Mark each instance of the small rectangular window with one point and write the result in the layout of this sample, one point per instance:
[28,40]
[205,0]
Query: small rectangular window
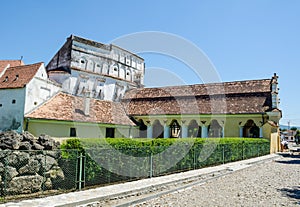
[72,132]
[13,101]
[110,133]
[0,105]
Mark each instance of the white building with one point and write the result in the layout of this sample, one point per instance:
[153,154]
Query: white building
[102,71]
[22,89]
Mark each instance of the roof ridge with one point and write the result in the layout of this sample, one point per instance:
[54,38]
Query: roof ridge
[38,63]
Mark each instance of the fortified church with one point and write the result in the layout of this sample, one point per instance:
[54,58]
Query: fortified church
[90,89]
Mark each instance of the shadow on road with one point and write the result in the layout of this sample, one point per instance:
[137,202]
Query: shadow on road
[293,192]
[292,161]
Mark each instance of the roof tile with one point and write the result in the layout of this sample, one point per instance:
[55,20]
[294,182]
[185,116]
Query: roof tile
[66,107]
[18,76]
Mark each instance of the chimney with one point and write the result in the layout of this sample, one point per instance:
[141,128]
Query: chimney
[86,103]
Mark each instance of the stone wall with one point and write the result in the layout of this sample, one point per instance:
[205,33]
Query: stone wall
[29,164]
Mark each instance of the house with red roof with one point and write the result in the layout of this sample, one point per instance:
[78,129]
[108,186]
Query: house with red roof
[90,89]
[22,89]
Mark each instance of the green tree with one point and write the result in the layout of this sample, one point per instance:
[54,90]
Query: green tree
[294,128]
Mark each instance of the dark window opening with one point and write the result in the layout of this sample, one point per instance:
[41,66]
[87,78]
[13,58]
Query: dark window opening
[82,61]
[175,129]
[72,132]
[35,103]
[115,69]
[0,105]
[13,101]
[110,133]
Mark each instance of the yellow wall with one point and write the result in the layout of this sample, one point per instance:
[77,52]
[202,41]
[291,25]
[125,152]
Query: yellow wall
[83,130]
[231,122]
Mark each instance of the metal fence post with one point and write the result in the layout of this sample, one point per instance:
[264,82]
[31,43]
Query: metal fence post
[151,166]
[80,171]
[44,173]
[223,153]
[194,158]
[243,156]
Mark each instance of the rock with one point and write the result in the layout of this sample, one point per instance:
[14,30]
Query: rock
[15,144]
[48,184]
[55,173]
[11,172]
[48,142]
[11,159]
[53,153]
[4,146]
[26,141]
[27,136]
[24,184]
[25,146]
[37,146]
[31,168]
[1,167]
[16,159]
[46,162]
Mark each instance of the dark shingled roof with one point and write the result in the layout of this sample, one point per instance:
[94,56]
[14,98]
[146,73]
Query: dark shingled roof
[66,107]
[19,76]
[253,96]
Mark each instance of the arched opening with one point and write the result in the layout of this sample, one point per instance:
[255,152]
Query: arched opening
[142,129]
[158,130]
[194,130]
[214,129]
[250,129]
[175,129]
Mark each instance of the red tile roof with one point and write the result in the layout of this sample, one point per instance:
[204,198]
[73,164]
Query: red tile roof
[250,86]
[18,76]
[11,63]
[66,107]
[230,97]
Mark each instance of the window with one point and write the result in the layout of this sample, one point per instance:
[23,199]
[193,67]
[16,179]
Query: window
[72,132]
[35,103]
[0,105]
[13,101]
[110,133]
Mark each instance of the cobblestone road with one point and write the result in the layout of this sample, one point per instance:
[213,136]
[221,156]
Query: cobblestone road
[275,183]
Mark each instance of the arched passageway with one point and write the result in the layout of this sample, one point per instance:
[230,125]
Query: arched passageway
[214,129]
[194,130]
[142,129]
[250,129]
[158,130]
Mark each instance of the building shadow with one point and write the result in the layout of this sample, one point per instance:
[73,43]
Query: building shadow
[293,161]
[293,192]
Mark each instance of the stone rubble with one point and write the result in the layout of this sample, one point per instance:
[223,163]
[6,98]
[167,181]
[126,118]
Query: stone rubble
[28,164]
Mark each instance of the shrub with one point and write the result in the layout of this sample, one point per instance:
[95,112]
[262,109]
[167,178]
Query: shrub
[118,159]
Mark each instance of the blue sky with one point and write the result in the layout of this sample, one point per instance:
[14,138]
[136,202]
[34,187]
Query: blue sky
[243,39]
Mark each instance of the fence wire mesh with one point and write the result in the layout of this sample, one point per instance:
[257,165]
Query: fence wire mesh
[40,172]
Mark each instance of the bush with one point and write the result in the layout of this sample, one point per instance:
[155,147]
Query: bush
[118,159]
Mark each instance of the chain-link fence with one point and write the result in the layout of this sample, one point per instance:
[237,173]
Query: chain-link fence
[111,165]
[36,172]
[42,172]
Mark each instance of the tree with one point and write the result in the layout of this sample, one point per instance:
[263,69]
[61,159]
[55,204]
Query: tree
[294,128]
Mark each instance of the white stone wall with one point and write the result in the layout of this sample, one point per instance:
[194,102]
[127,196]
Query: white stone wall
[12,109]
[39,90]
[98,86]
[111,60]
